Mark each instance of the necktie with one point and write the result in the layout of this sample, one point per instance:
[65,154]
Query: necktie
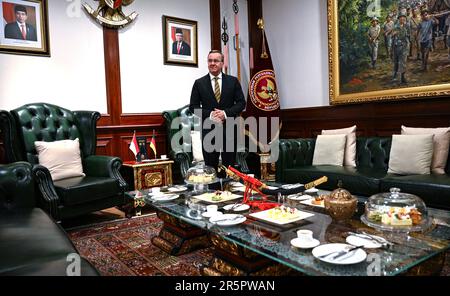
[179,47]
[24,32]
[217,89]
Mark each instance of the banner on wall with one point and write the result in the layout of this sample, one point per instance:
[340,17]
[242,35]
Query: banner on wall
[263,101]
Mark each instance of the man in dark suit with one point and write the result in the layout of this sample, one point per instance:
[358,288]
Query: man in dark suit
[180,46]
[20,29]
[219,97]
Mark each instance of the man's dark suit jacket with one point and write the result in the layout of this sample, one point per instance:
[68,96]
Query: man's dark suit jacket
[232,102]
[232,98]
[12,31]
[184,50]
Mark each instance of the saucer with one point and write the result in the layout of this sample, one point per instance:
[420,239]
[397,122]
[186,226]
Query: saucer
[209,215]
[296,242]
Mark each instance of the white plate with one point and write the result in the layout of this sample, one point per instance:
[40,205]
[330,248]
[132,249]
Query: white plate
[296,242]
[312,190]
[299,197]
[361,241]
[237,208]
[164,197]
[265,216]
[177,189]
[209,215]
[309,203]
[354,257]
[220,220]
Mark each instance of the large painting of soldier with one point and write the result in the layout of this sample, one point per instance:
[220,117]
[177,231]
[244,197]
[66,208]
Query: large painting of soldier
[388,49]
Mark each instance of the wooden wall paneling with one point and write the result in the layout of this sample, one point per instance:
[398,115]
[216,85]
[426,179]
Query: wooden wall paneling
[112,74]
[104,146]
[215,24]
[372,119]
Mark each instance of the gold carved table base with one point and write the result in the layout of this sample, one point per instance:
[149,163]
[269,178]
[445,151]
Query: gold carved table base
[231,259]
[177,238]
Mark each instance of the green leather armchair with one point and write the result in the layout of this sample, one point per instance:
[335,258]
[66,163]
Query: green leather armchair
[31,242]
[181,151]
[101,188]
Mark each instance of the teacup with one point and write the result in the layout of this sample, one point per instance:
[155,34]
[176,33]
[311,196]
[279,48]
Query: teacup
[156,190]
[163,156]
[305,235]
[211,209]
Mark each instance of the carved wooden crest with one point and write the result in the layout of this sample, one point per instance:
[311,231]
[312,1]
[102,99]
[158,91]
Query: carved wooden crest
[109,13]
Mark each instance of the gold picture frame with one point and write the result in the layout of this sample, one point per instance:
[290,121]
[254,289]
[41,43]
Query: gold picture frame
[30,39]
[345,44]
[184,50]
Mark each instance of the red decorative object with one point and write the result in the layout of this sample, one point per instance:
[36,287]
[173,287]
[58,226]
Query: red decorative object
[251,184]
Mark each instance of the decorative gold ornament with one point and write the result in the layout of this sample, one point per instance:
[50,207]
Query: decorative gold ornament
[109,13]
[340,204]
[260,24]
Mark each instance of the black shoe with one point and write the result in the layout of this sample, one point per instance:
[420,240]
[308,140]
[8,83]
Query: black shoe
[403,79]
[394,77]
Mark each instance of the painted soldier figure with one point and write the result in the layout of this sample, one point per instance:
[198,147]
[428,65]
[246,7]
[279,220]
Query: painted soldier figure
[400,47]
[387,28]
[373,35]
[426,37]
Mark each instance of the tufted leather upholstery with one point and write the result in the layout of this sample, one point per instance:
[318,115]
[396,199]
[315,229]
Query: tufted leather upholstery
[31,243]
[183,120]
[103,186]
[368,177]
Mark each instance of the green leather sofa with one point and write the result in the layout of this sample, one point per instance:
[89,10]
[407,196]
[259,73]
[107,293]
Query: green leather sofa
[367,178]
[31,242]
[181,151]
[102,187]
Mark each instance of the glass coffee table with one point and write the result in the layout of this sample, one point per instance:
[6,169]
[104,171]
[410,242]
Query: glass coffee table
[261,247]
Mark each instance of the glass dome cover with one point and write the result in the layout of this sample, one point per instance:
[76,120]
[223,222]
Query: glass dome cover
[201,174]
[396,211]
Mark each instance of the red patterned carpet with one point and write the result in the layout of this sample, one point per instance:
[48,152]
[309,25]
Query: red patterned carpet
[123,248]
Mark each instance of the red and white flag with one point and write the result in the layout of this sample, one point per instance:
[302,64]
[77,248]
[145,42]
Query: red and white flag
[134,147]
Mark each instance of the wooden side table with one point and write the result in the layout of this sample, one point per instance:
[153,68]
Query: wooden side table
[149,174]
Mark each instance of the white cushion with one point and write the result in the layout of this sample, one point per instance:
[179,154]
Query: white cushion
[350,146]
[196,140]
[61,158]
[411,154]
[441,144]
[329,150]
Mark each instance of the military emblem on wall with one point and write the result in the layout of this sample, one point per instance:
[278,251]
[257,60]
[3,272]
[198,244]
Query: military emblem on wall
[109,13]
[263,91]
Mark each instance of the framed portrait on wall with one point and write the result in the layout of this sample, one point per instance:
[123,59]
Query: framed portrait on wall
[180,41]
[376,52]
[24,27]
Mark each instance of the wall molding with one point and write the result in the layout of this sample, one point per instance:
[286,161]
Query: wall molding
[372,119]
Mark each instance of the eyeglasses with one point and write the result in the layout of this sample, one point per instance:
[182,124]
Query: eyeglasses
[210,61]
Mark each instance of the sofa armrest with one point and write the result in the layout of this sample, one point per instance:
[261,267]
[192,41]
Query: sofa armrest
[183,160]
[104,166]
[48,200]
[16,186]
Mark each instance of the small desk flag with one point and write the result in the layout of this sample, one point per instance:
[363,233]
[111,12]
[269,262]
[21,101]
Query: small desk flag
[134,147]
[153,143]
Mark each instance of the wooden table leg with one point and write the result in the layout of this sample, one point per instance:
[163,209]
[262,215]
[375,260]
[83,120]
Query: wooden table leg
[177,237]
